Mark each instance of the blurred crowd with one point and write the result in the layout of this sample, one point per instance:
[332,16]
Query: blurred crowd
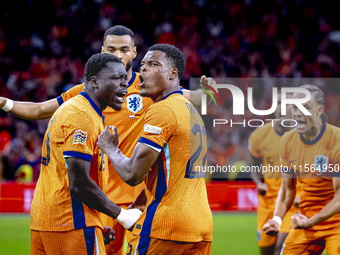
[45,44]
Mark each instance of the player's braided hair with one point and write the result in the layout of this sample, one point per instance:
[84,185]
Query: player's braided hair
[120,31]
[173,54]
[319,97]
[97,63]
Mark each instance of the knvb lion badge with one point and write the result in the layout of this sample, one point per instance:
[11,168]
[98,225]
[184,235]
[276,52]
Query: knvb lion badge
[134,104]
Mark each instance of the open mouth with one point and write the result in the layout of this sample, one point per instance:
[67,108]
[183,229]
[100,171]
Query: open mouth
[301,124]
[141,80]
[120,97]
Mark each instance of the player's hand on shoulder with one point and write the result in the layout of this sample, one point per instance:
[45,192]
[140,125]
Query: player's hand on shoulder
[262,188]
[108,139]
[3,101]
[271,228]
[301,221]
[109,234]
[208,81]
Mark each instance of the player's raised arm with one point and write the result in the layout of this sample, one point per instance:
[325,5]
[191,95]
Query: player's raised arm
[330,209]
[29,110]
[195,96]
[132,170]
[86,191]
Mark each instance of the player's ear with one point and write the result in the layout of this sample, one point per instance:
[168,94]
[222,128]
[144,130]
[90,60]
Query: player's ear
[102,49]
[173,73]
[134,52]
[321,109]
[94,82]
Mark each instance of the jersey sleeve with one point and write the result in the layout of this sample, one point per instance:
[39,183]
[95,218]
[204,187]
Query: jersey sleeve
[80,136]
[159,124]
[254,144]
[70,93]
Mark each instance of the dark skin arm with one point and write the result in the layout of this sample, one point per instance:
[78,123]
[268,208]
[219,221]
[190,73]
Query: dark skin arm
[36,111]
[32,111]
[284,201]
[262,188]
[86,190]
[330,209]
[132,170]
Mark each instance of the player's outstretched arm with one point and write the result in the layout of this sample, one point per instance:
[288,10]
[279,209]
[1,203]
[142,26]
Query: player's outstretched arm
[195,96]
[284,201]
[132,170]
[330,209]
[87,191]
[30,110]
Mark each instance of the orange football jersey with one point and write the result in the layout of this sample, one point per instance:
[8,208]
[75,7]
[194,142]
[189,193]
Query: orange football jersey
[129,123]
[72,132]
[177,207]
[314,162]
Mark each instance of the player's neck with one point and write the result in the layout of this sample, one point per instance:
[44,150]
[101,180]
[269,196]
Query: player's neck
[94,99]
[129,74]
[165,93]
[313,133]
[279,128]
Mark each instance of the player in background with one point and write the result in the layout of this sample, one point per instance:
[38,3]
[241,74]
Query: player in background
[177,218]
[119,41]
[68,197]
[264,149]
[311,152]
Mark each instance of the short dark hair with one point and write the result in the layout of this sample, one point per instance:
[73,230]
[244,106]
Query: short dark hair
[120,31]
[98,62]
[172,53]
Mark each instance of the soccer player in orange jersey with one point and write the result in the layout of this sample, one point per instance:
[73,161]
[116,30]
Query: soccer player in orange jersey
[310,152]
[68,197]
[119,41]
[177,218]
[264,149]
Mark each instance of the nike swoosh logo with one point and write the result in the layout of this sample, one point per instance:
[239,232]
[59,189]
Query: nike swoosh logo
[291,161]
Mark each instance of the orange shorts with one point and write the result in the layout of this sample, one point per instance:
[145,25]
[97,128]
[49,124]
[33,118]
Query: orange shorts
[116,247]
[306,241]
[263,215]
[152,246]
[80,241]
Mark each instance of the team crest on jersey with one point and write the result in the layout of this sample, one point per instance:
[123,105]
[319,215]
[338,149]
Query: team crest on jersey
[79,137]
[321,163]
[134,103]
